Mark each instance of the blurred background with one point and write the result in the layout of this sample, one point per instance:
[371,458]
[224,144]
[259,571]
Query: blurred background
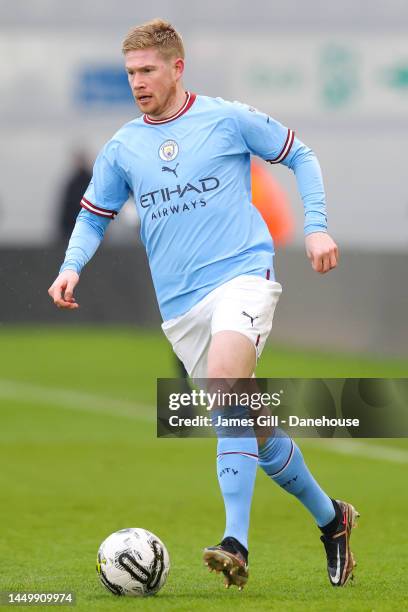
[337,73]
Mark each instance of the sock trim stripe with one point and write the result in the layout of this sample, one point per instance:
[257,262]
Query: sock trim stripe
[238,453]
[292,450]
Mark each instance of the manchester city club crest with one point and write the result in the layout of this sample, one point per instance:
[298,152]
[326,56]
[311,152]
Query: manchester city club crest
[168,150]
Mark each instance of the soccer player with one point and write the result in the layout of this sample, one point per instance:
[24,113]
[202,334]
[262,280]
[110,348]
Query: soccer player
[187,162]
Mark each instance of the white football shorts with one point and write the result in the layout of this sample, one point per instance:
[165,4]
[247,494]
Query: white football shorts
[245,304]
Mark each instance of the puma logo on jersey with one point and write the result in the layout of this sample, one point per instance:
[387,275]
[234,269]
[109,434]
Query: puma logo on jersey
[249,316]
[173,170]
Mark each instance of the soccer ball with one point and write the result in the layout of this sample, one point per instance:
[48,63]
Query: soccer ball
[133,562]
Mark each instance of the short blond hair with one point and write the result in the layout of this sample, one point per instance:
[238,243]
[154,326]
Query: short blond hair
[157,34]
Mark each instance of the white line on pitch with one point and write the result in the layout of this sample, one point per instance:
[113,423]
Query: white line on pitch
[75,400]
[101,404]
[360,448]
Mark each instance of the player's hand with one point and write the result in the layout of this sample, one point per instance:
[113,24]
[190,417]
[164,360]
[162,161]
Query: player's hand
[322,252]
[62,290]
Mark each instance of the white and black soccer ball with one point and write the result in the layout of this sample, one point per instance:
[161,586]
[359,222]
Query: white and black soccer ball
[133,562]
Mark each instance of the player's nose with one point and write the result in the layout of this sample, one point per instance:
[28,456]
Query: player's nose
[136,84]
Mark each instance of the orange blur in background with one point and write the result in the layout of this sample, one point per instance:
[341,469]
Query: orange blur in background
[273,204]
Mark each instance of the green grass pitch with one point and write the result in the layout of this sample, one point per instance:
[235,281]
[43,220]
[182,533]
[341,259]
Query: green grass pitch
[79,460]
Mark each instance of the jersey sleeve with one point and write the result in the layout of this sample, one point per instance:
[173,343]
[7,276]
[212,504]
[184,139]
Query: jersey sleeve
[86,237]
[262,135]
[305,165]
[103,199]
[275,143]
[108,189]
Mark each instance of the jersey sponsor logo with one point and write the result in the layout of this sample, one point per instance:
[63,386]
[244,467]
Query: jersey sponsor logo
[173,170]
[165,194]
[168,150]
[175,209]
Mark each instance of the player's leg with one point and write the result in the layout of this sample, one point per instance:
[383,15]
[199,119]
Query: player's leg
[190,336]
[243,313]
[282,460]
[232,356]
[279,456]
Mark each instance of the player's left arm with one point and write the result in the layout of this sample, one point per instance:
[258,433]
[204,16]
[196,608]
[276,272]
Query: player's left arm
[321,249]
[267,138]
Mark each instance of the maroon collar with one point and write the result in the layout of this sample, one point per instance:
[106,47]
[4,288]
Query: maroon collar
[189,101]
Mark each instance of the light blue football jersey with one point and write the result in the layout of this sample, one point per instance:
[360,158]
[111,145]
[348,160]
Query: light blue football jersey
[190,178]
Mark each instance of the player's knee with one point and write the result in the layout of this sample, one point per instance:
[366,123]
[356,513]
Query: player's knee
[220,370]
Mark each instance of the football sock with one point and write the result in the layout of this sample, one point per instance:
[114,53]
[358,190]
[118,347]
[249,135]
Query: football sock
[331,527]
[237,460]
[281,460]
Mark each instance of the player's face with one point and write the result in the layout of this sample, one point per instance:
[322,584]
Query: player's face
[153,79]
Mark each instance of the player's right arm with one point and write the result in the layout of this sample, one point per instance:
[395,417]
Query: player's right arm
[106,194]
[62,290]
[85,239]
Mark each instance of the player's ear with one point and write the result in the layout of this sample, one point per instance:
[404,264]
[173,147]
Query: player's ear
[179,67]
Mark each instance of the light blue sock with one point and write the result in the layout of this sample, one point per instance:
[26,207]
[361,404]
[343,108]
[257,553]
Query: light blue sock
[282,461]
[237,460]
